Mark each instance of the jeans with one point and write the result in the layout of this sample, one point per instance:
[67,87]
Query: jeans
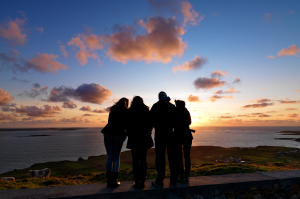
[186,145]
[113,145]
[139,164]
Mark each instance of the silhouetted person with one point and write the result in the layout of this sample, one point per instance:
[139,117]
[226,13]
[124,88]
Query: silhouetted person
[139,139]
[184,139]
[162,114]
[114,136]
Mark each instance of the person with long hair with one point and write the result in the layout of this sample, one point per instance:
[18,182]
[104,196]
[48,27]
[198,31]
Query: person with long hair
[114,136]
[139,139]
[184,139]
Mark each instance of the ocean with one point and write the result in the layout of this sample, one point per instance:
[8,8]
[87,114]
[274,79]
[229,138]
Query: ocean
[21,149]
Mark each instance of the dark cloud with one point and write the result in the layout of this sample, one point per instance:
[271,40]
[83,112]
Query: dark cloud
[105,110]
[34,111]
[237,80]
[172,6]
[289,102]
[293,115]
[261,105]
[20,80]
[85,108]
[36,91]
[8,108]
[93,93]
[208,83]
[70,105]
[88,115]
[226,117]
[264,115]
[215,97]
[262,100]
[194,64]
[5,97]
[44,63]
[193,98]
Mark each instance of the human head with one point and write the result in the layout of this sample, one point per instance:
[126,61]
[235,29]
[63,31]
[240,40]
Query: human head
[122,102]
[162,94]
[180,103]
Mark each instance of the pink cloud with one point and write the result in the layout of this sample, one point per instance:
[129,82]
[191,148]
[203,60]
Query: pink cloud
[289,102]
[104,110]
[8,107]
[262,100]
[5,97]
[219,73]
[36,91]
[262,88]
[298,90]
[62,49]
[270,57]
[237,80]
[268,17]
[14,31]
[193,98]
[215,97]
[92,93]
[70,105]
[34,111]
[85,108]
[46,63]
[41,29]
[82,41]
[194,64]
[4,116]
[208,83]
[88,115]
[226,117]
[231,90]
[161,42]
[261,105]
[291,50]
[293,115]
[189,14]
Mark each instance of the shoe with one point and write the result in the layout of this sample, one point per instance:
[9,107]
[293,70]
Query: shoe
[136,185]
[142,185]
[158,184]
[114,182]
[181,177]
[108,179]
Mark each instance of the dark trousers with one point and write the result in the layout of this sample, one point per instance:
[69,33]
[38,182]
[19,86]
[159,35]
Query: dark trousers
[163,144]
[139,164]
[185,145]
[113,145]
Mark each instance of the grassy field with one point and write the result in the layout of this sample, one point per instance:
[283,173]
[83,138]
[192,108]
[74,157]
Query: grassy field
[206,160]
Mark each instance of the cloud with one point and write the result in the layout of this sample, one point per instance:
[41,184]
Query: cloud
[261,105]
[44,63]
[41,29]
[193,98]
[34,111]
[293,115]
[85,108]
[172,6]
[208,83]
[226,117]
[298,90]
[268,17]
[270,57]
[161,42]
[264,115]
[8,107]
[231,90]
[62,49]
[4,116]
[74,120]
[70,105]
[215,97]
[262,88]
[237,80]
[271,111]
[5,97]
[194,64]
[189,14]
[13,31]
[20,80]
[87,44]
[88,115]
[219,73]
[289,102]
[262,100]
[291,50]
[104,110]
[93,93]
[36,91]
[291,109]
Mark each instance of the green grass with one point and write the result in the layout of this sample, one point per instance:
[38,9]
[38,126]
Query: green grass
[92,170]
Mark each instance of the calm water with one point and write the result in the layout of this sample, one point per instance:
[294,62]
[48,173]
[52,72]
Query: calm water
[18,151]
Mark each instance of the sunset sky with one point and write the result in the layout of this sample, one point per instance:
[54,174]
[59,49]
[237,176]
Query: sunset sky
[64,63]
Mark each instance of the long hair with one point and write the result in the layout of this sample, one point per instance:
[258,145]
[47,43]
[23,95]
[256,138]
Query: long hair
[138,103]
[122,103]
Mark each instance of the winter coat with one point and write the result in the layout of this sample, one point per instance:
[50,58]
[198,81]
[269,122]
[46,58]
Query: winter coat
[162,117]
[139,128]
[182,123]
[116,122]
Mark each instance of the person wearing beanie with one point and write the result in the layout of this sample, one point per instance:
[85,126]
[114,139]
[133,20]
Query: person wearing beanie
[163,117]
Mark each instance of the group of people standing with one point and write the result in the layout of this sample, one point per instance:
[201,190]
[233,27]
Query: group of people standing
[172,133]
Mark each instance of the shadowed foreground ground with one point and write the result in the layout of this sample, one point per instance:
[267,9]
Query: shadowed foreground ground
[206,160]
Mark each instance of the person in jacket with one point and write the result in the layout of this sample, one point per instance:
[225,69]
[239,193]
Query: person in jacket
[162,116]
[184,139]
[114,136]
[139,139]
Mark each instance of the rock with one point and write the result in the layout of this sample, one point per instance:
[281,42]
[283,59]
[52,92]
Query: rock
[80,159]
[8,179]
